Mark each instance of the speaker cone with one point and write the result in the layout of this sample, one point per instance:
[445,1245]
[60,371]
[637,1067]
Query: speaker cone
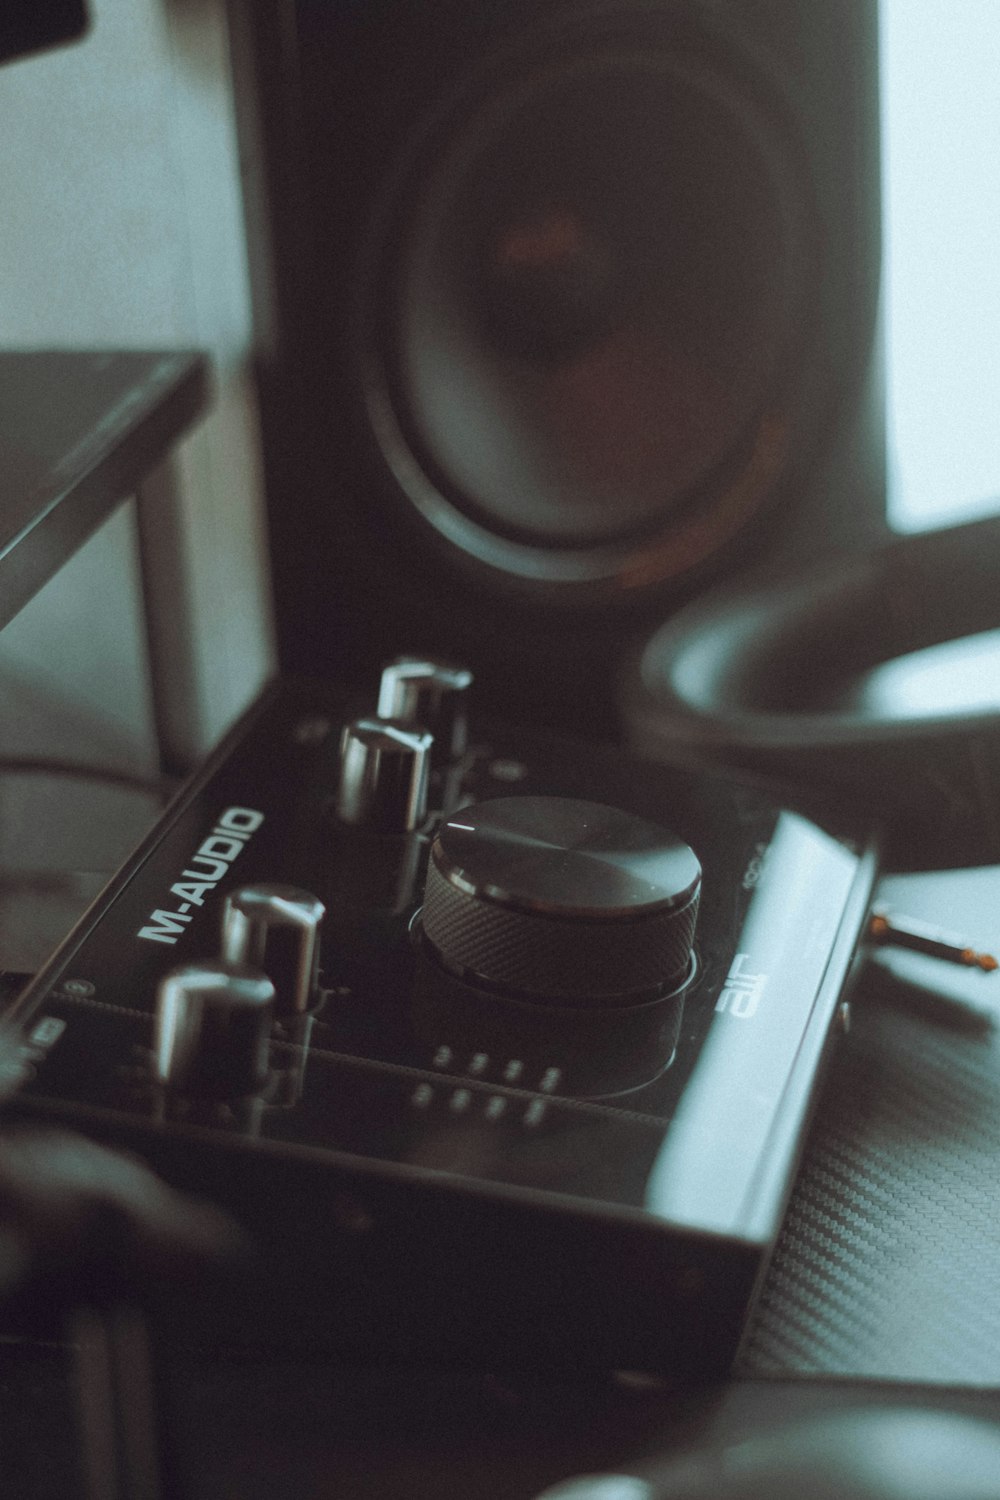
[589,305]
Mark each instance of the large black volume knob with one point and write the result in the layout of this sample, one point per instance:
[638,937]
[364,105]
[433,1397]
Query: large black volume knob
[562,901]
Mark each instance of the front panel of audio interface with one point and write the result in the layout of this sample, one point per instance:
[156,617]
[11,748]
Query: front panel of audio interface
[499,1047]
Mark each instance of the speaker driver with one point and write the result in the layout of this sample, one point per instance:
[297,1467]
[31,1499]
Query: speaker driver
[588,309]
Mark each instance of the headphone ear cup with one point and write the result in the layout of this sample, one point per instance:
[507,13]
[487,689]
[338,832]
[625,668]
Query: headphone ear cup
[836,686]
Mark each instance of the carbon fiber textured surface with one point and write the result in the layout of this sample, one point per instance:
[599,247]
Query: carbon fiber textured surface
[889,1262]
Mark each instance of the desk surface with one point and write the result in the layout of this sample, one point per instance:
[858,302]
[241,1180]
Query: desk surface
[78,432]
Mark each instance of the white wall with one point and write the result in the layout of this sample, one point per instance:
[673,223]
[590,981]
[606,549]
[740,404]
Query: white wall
[121,227]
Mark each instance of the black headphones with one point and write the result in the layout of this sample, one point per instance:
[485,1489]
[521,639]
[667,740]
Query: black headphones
[800,681]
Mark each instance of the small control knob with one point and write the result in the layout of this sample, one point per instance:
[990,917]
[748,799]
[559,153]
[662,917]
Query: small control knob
[275,928]
[384,770]
[562,901]
[212,1030]
[432,694]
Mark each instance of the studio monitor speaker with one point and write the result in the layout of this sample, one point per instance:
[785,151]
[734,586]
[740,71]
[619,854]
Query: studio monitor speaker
[565,310]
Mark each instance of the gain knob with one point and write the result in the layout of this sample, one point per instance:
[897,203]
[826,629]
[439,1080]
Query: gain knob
[275,928]
[565,901]
[432,694]
[212,1030]
[384,769]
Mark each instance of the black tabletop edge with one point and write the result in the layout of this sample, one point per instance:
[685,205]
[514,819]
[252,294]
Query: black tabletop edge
[79,431]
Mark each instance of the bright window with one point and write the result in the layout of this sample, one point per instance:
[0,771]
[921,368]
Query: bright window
[941,126]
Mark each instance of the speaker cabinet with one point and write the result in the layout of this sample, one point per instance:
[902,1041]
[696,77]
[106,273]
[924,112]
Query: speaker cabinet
[565,311]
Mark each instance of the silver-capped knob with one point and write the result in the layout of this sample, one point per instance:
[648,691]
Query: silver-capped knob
[384,770]
[212,1030]
[562,901]
[275,928]
[432,694]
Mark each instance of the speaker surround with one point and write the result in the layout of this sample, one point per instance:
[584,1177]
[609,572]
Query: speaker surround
[566,309]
